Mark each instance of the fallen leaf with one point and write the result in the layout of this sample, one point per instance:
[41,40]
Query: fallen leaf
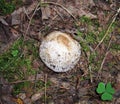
[45,12]
[3,21]
[82,12]
[37,96]
[16,15]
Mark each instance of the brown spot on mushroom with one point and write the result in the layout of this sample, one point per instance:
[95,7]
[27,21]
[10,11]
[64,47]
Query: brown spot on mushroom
[64,40]
[47,54]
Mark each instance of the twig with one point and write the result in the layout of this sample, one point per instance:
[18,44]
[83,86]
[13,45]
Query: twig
[91,77]
[53,3]
[59,14]
[107,51]
[21,81]
[101,66]
[26,13]
[45,87]
[31,20]
[35,81]
[28,27]
[106,33]
[21,32]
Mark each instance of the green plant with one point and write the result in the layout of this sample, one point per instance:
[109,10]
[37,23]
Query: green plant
[6,7]
[19,87]
[105,90]
[14,53]
[85,19]
[16,64]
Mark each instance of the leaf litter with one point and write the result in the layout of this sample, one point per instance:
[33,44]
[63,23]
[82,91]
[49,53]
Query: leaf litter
[73,87]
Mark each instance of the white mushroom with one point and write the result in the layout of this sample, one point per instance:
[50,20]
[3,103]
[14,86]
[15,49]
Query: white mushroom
[59,51]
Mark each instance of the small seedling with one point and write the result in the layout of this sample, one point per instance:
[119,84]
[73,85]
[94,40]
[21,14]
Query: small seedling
[14,53]
[105,90]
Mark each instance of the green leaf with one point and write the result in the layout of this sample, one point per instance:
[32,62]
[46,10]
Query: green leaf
[106,96]
[109,88]
[15,53]
[101,88]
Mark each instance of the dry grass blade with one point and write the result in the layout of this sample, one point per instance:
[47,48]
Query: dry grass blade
[31,20]
[106,33]
[45,87]
[91,76]
[103,61]
[105,56]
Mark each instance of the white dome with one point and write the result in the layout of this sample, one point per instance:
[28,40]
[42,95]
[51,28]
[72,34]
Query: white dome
[59,51]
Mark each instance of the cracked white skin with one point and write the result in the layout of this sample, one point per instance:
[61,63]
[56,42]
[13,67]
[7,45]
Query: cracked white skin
[59,51]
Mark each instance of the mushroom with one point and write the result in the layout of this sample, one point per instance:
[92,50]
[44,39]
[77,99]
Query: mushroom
[59,51]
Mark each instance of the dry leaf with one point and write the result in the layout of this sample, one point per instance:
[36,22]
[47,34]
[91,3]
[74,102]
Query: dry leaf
[37,96]
[45,12]
[16,16]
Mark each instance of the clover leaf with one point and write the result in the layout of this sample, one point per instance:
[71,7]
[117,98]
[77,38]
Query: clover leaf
[109,88]
[101,88]
[106,96]
[105,90]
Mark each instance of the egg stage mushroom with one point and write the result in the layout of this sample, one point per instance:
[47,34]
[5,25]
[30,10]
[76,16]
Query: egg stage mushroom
[59,51]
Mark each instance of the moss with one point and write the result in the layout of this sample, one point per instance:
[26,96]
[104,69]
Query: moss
[16,66]
[6,7]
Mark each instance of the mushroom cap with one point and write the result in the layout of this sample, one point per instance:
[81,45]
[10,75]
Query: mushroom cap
[59,51]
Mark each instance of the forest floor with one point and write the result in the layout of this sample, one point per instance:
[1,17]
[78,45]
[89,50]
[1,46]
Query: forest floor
[24,79]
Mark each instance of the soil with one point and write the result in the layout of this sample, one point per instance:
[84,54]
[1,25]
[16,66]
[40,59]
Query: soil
[77,86]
